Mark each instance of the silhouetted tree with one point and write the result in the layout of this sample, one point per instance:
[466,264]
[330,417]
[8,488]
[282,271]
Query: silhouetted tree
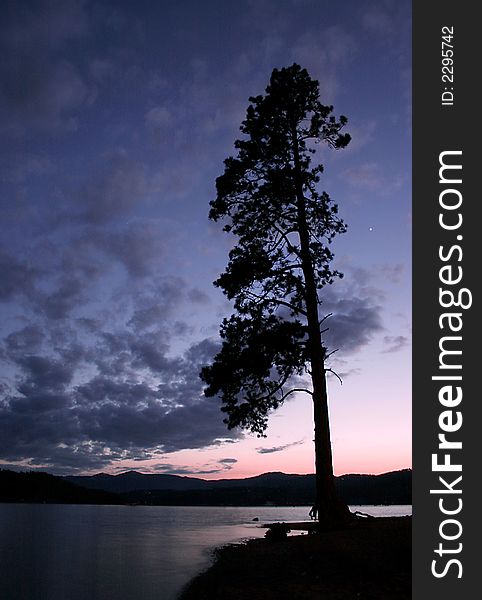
[268,198]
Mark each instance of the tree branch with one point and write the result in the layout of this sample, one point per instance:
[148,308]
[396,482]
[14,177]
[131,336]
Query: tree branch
[277,301]
[284,234]
[335,374]
[325,317]
[293,390]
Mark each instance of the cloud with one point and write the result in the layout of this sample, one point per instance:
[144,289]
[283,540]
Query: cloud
[61,278]
[392,272]
[278,448]
[138,403]
[377,21]
[18,277]
[90,382]
[368,176]
[68,294]
[42,96]
[28,339]
[18,167]
[103,69]
[340,367]
[220,466]
[355,306]
[171,469]
[62,275]
[139,246]
[388,22]
[42,91]
[395,343]
[46,24]
[158,118]
[43,373]
[353,324]
[116,188]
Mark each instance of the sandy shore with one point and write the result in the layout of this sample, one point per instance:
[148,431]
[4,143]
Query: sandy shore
[370,560]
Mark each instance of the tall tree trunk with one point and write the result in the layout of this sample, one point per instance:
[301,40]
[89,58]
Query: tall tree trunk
[331,510]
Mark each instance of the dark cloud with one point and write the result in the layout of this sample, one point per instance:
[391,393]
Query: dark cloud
[141,403]
[43,373]
[50,281]
[356,311]
[353,324]
[41,90]
[66,277]
[62,275]
[43,24]
[158,299]
[91,392]
[38,404]
[139,246]
[66,296]
[273,449]
[26,340]
[207,469]
[55,94]
[114,190]
[147,316]
[197,296]
[171,469]
[18,277]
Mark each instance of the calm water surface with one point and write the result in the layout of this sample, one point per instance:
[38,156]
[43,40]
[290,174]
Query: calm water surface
[72,552]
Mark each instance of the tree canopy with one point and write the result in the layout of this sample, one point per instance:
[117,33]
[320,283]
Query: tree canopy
[265,342]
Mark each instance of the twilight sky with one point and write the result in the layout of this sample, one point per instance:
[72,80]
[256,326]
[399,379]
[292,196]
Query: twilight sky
[115,118]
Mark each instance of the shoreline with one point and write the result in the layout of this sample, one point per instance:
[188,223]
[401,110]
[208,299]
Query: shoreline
[369,560]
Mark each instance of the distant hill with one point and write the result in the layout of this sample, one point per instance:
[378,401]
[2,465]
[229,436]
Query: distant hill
[40,487]
[137,488]
[132,481]
[272,488]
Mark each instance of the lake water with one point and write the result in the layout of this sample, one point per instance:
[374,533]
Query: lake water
[74,552]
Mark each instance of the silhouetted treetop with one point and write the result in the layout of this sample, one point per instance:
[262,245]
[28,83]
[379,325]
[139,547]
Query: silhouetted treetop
[257,193]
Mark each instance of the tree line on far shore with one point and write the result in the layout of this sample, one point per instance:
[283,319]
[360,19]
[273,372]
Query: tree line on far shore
[135,488]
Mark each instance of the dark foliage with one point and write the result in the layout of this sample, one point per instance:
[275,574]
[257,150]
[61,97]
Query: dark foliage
[44,488]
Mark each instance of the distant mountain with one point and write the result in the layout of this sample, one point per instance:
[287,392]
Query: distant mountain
[273,488]
[394,487]
[37,487]
[137,488]
[132,481]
